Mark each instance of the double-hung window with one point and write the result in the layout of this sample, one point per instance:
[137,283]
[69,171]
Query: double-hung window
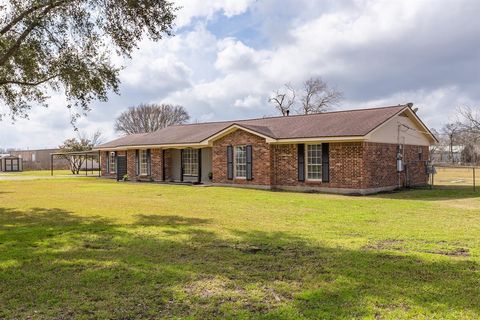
[143,162]
[112,163]
[240,161]
[314,162]
[190,162]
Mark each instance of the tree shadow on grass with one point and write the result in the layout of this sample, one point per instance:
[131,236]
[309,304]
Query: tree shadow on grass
[54,264]
[436,194]
[171,221]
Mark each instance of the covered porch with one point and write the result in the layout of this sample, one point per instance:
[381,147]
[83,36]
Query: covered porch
[188,165]
[175,164]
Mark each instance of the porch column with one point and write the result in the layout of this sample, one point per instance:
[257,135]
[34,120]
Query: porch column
[199,178]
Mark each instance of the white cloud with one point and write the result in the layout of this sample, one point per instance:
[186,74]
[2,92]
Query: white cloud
[235,56]
[191,9]
[249,102]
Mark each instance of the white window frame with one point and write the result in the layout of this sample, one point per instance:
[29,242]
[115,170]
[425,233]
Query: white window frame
[143,162]
[318,162]
[190,162]
[112,163]
[243,172]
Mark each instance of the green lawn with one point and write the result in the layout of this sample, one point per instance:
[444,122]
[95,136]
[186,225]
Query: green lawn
[43,173]
[93,248]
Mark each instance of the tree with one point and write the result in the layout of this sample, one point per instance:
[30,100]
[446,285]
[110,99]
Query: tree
[95,138]
[75,145]
[471,119]
[434,148]
[318,97]
[150,117]
[452,132]
[66,45]
[283,99]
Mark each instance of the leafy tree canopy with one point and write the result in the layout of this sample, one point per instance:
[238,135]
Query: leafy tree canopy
[67,45]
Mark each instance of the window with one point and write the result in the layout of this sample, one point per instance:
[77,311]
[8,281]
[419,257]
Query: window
[190,162]
[420,153]
[314,161]
[112,163]
[143,162]
[241,162]
[34,157]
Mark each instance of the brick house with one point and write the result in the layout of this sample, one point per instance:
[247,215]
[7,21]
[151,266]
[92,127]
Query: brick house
[354,152]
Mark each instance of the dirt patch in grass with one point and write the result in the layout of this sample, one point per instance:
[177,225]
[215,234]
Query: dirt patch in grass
[456,252]
[388,244]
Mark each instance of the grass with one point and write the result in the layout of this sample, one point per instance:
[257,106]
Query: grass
[94,248]
[456,176]
[42,173]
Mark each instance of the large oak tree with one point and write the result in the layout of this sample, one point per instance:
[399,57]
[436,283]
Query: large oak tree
[67,45]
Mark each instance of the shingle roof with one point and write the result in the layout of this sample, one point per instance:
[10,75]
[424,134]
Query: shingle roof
[357,122]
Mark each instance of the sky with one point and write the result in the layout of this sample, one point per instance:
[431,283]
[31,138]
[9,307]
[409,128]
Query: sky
[228,56]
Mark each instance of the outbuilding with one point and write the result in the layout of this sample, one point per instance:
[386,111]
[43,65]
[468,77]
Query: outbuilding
[9,163]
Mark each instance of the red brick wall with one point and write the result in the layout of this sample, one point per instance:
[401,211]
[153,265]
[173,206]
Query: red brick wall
[354,165]
[261,158]
[156,156]
[156,166]
[346,166]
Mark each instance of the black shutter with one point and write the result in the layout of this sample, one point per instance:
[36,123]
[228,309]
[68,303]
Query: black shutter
[108,161]
[149,162]
[116,162]
[249,163]
[199,173]
[181,165]
[229,162]
[301,162]
[325,162]
[137,163]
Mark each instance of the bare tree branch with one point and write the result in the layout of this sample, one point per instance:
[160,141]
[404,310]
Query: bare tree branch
[318,97]
[283,100]
[150,117]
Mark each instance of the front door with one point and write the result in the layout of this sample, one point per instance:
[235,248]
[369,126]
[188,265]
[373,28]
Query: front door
[121,167]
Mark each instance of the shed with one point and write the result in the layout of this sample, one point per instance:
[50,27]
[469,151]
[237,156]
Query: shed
[9,163]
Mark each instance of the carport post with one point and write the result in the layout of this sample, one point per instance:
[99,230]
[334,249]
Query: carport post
[99,167]
[473,178]
[51,164]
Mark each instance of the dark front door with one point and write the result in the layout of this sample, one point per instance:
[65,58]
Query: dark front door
[121,167]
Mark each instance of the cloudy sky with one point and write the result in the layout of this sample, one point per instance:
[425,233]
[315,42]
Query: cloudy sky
[229,55]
